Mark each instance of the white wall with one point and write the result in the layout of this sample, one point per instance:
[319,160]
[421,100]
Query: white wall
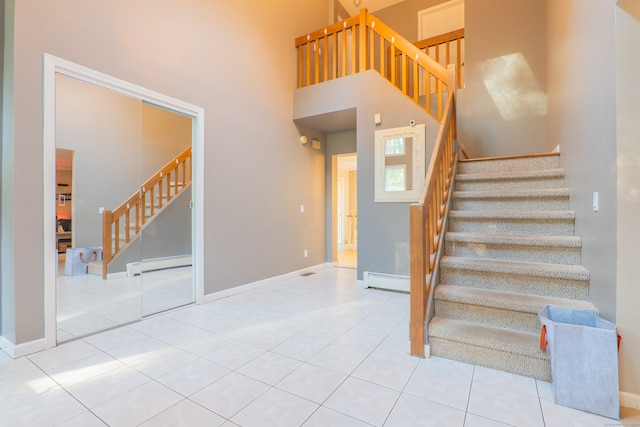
[234,59]
[582,120]
[502,109]
[628,181]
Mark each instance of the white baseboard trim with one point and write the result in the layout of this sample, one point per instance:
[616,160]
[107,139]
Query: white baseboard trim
[23,349]
[391,282]
[135,268]
[247,287]
[630,400]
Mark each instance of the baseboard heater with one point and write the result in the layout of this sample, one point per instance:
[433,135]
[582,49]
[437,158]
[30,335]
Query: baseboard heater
[391,282]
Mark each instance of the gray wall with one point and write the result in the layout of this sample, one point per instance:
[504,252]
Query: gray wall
[164,134]
[383,228]
[504,40]
[582,120]
[1,97]
[103,128]
[210,54]
[403,16]
[8,210]
[628,148]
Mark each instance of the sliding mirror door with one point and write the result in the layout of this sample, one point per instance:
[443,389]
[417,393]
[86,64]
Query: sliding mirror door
[166,192]
[98,162]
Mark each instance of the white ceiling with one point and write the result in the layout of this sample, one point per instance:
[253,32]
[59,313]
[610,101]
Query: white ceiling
[370,5]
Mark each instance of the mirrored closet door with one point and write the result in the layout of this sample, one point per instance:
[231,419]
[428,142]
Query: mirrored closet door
[122,211]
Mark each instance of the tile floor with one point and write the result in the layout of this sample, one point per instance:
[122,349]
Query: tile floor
[301,351]
[87,304]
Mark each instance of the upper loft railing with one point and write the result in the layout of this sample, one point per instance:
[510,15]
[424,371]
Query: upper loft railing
[446,49]
[363,43]
[121,225]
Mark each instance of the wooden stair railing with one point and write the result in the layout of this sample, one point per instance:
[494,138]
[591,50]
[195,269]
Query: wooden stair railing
[156,192]
[363,43]
[427,223]
[446,49]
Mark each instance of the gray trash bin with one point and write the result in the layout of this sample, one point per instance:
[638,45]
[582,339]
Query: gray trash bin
[584,359]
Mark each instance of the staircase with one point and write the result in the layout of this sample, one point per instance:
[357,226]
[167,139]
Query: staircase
[510,249]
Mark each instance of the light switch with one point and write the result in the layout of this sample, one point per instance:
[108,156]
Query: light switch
[596,202]
[301,208]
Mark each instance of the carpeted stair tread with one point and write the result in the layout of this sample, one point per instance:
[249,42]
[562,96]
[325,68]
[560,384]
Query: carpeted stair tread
[521,215]
[513,194]
[509,163]
[514,240]
[505,300]
[505,176]
[556,271]
[522,343]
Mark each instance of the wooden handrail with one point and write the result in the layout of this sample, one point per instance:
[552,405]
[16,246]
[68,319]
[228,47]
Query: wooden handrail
[427,221]
[167,183]
[326,54]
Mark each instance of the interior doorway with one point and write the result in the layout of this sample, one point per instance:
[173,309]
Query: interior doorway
[347,210]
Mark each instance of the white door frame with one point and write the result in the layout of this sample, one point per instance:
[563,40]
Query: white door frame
[54,65]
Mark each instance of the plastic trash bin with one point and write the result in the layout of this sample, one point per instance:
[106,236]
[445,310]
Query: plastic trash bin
[584,359]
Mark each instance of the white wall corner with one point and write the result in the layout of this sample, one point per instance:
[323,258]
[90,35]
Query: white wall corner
[20,350]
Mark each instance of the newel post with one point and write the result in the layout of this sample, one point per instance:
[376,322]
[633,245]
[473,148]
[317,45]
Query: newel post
[417,278]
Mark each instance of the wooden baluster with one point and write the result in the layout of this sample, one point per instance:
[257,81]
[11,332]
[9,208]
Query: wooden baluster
[372,46]
[334,56]
[300,55]
[325,56]
[117,237]
[138,209]
[403,72]
[392,63]
[316,59]
[127,231]
[354,50]
[459,62]
[415,81]
[383,62]
[344,52]
[308,81]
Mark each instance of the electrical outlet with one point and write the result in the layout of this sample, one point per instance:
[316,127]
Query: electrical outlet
[306,253]
[301,208]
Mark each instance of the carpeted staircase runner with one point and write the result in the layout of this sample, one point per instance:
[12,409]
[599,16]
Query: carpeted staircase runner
[510,250]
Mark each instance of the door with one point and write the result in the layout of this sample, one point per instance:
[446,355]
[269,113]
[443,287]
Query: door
[102,129]
[166,243]
[118,143]
[440,19]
